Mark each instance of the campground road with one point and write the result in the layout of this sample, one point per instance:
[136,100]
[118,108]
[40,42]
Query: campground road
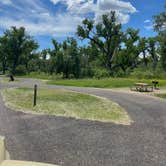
[71,142]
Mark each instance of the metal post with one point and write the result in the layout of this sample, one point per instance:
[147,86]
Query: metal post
[35,95]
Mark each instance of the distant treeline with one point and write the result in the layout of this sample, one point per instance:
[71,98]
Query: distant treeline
[108,52]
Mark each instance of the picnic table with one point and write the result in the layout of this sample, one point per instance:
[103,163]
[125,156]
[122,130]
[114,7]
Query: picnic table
[142,87]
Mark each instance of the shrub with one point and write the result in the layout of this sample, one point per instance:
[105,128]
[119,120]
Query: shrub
[148,74]
[20,70]
[101,73]
[86,72]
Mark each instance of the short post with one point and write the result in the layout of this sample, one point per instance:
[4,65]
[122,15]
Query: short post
[35,95]
[11,78]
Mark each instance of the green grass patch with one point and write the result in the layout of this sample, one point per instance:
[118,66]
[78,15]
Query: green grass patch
[66,103]
[161,95]
[6,80]
[41,75]
[103,83]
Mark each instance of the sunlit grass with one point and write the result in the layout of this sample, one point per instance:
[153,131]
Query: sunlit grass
[104,83]
[65,103]
[161,95]
[7,80]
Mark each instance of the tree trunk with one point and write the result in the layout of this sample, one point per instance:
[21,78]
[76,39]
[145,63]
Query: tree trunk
[4,68]
[145,60]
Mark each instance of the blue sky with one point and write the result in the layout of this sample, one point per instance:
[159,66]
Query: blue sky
[47,19]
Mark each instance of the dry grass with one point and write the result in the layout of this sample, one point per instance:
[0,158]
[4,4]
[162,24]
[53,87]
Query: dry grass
[65,103]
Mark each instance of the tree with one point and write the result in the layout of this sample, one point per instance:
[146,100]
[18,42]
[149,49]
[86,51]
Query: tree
[152,51]
[3,53]
[160,21]
[105,35]
[127,57]
[130,40]
[53,56]
[142,46]
[71,58]
[160,27]
[19,47]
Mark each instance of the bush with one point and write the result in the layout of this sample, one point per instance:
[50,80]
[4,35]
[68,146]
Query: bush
[148,74]
[101,73]
[42,75]
[86,72]
[20,70]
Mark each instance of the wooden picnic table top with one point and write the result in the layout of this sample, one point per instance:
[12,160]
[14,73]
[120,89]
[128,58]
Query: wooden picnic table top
[141,84]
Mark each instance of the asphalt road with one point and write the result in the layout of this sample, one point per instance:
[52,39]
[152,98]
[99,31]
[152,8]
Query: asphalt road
[71,142]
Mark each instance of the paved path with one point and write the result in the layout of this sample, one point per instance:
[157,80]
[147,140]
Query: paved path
[71,142]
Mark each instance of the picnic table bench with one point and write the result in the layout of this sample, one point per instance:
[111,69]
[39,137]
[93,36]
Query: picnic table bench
[142,87]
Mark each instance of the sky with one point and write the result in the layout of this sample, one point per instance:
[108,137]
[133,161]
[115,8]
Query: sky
[58,19]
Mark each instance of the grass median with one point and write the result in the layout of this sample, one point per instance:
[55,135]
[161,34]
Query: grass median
[66,103]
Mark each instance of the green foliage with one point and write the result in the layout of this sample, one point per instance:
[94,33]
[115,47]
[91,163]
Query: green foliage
[20,70]
[107,37]
[160,27]
[109,52]
[101,73]
[142,73]
[18,48]
[162,40]
[143,46]
[42,75]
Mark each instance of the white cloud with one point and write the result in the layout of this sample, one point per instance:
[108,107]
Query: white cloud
[60,26]
[147,21]
[55,1]
[148,27]
[82,7]
[38,19]
[6,2]
[116,5]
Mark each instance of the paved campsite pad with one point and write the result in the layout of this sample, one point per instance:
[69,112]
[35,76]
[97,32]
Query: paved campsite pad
[70,142]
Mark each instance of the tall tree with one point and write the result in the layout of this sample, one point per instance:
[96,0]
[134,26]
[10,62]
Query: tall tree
[142,46]
[131,39]
[19,46]
[3,53]
[105,35]
[152,51]
[128,55]
[160,27]
[71,58]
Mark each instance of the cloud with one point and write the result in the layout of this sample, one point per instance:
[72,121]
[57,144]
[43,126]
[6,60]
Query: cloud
[148,27]
[147,21]
[58,27]
[55,1]
[38,19]
[116,5]
[6,2]
[83,7]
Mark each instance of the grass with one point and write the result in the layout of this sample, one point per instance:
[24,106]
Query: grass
[6,80]
[103,83]
[41,75]
[65,103]
[98,83]
[161,95]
